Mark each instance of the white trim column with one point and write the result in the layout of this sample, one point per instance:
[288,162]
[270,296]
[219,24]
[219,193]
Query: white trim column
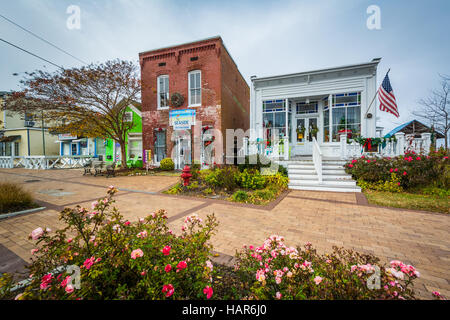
[330,107]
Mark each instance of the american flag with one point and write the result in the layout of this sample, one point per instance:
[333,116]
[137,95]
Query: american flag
[387,98]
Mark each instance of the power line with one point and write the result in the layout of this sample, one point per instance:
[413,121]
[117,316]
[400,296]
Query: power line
[35,55]
[40,38]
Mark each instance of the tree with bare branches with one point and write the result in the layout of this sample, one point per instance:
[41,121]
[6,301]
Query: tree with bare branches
[88,101]
[435,109]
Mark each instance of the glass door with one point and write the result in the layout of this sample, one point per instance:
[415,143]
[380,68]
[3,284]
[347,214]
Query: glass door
[307,128]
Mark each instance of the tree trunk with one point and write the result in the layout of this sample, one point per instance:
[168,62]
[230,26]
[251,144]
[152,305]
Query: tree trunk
[124,154]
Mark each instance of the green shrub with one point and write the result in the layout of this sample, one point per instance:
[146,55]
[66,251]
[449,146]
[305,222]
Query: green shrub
[175,189]
[207,191]
[14,198]
[264,194]
[239,196]
[392,185]
[257,161]
[278,181]
[167,164]
[222,178]
[193,185]
[434,191]
[251,179]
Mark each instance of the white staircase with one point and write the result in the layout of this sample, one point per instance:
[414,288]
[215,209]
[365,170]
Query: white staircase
[303,176]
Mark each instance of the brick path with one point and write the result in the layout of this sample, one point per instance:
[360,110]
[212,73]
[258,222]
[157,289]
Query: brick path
[323,218]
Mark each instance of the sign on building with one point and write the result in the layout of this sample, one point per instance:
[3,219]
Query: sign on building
[66,136]
[182,119]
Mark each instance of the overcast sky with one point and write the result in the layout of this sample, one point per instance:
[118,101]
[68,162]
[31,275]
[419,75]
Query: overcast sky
[264,37]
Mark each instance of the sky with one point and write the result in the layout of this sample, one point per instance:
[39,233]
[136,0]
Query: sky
[264,37]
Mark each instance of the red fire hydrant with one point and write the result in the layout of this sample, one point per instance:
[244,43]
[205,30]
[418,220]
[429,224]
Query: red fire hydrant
[186,175]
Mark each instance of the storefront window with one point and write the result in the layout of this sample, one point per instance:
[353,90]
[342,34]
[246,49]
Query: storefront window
[346,115]
[160,145]
[326,121]
[274,118]
[306,108]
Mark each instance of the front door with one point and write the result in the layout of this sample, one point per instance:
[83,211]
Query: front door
[307,128]
[182,152]
[74,149]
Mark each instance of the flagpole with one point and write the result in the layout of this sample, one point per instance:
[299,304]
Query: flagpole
[375,96]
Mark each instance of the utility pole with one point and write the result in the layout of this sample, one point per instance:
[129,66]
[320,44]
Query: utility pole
[43,132]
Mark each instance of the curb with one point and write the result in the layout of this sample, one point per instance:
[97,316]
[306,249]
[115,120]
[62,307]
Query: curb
[18,213]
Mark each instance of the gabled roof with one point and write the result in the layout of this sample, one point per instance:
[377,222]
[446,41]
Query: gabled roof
[411,127]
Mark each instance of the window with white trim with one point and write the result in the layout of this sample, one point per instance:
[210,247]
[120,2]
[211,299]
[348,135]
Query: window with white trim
[195,89]
[128,116]
[163,92]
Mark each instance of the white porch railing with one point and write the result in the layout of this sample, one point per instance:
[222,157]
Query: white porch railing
[317,159]
[278,150]
[44,162]
[390,148]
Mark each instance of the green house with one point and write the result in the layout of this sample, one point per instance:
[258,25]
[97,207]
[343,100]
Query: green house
[133,113]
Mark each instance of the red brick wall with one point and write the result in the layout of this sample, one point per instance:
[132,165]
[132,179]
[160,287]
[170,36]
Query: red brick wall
[218,73]
[235,97]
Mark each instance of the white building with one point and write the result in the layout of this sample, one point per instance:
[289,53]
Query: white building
[323,104]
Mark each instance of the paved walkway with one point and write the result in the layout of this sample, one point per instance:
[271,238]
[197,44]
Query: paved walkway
[323,218]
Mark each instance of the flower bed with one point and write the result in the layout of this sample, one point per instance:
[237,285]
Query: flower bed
[100,255]
[412,181]
[228,183]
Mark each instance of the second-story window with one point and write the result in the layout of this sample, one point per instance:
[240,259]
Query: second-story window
[195,89]
[163,92]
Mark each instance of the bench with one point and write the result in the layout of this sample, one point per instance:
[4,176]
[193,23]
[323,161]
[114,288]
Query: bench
[110,170]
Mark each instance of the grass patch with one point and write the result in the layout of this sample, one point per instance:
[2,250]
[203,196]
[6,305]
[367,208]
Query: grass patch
[415,201]
[14,198]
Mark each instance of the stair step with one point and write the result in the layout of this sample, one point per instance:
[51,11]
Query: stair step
[295,177]
[328,188]
[337,177]
[324,182]
[302,171]
[300,166]
[333,171]
[332,167]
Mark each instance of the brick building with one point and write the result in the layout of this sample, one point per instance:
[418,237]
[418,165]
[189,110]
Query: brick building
[190,94]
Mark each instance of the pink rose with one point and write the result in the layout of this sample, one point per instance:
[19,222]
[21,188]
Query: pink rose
[65,281]
[69,288]
[208,291]
[138,253]
[318,280]
[37,233]
[166,250]
[168,289]
[278,295]
[89,262]
[168,268]
[181,265]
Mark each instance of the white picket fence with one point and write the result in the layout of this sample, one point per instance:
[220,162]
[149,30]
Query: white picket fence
[44,162]
[391,148]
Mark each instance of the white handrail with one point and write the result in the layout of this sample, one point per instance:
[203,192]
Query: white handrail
[317,159]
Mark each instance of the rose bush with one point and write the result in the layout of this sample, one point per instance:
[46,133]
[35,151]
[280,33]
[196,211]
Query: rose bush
[412,170]
[119,259]
[275,271]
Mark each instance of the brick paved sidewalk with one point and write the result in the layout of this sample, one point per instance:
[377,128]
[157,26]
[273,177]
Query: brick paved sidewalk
[323,218]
